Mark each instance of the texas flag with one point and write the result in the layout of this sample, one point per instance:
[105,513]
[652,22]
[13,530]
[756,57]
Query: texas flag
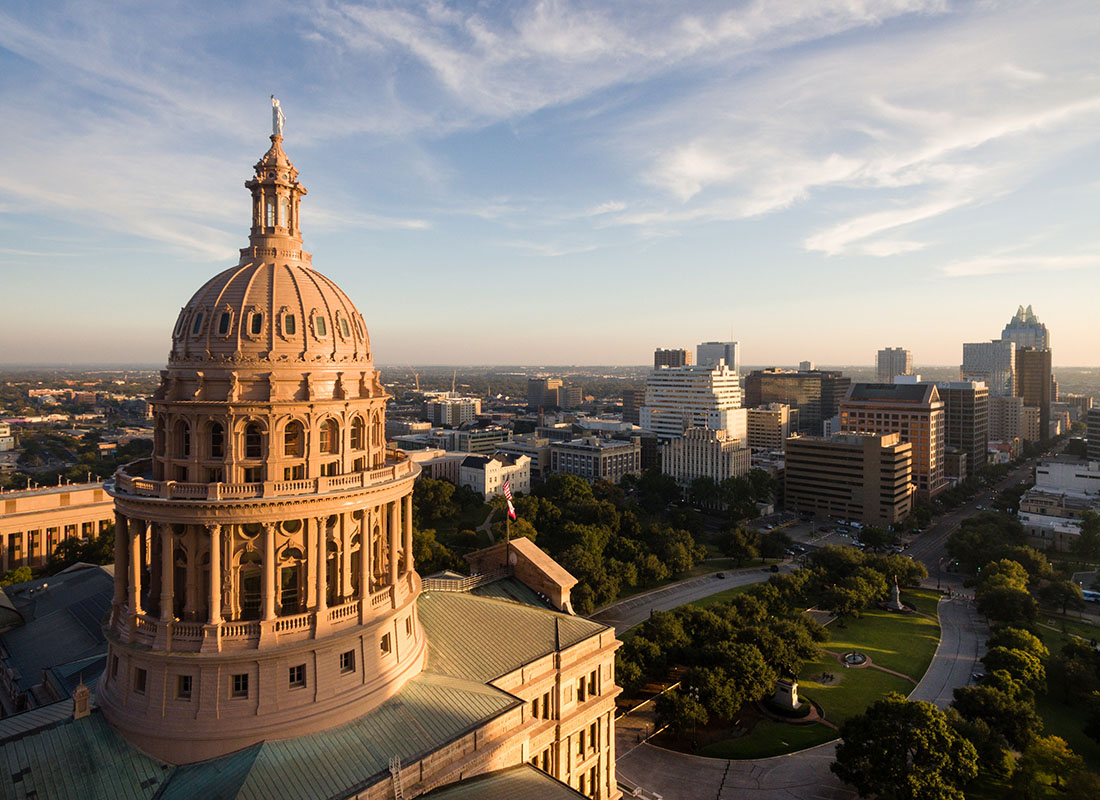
[507,489]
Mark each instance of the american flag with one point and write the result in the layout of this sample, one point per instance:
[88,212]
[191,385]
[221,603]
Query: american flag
[507,489]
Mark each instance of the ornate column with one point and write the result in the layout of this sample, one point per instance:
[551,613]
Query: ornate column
[345,557]
[135,565]
[364,565]
[190,592]
[167,572]
[121,551]
[155,563]
[408,520]
[215,606]
[322,566]
[395,526]
[269,571]
[311,567]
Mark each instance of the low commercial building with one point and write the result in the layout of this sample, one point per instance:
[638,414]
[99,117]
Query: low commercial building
[7,441]
[1065,487]
[452,411]
[704,453]
[850,476]
[593,458]
[769,426]
[35,521]
[535,448]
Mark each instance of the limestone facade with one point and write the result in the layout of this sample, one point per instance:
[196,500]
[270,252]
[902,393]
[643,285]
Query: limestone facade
[34,521]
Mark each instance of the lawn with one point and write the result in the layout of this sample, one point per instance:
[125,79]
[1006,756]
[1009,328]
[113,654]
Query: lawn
[769,738]
[901,642]
[851,691]
[1059,718]
[722,597]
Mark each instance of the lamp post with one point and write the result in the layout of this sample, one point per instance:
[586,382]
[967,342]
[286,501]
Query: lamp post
[693,693]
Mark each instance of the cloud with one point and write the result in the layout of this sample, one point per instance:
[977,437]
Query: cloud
[1005,264]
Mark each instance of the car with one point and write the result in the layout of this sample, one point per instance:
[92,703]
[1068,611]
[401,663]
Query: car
[977,676]
[774,568]
[721,576]
[980,508]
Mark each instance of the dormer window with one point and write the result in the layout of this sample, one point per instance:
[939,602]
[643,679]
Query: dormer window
[345,331]
[320,325]
[256,324]
[290,325]
[198,325]
[223,323]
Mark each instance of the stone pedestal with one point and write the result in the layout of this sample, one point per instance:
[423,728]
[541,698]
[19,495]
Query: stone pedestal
[786,693]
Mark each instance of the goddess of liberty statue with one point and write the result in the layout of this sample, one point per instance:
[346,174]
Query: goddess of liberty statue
[277,117]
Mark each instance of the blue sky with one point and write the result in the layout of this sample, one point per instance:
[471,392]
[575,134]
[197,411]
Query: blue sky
[563,182]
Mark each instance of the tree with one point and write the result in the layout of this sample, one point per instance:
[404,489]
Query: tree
[741,543]
[1003,712]
[1020,664]
[1018,639]
[1087,546]
[901,750]
[1007,605]
[1063,594]
[877,538]
[1050,756]
[705,492]
[680,711]
[16,575]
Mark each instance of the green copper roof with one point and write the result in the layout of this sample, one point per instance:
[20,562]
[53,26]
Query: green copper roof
[510,589]
[515,783]
[481,638]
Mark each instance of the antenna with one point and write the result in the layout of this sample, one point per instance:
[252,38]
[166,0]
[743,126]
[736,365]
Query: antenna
[454,377]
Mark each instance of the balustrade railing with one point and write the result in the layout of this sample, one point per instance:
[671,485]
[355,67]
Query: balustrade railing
[464,584]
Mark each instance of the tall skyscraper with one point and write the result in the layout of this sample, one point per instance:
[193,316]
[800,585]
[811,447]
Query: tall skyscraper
[633,400]
[913,410]
[708,354]
[993,363]
[678,398]
[671,358]
[543,392]
[893,361]
[815,393]
[1033,383]
[1025,330]
[966,420]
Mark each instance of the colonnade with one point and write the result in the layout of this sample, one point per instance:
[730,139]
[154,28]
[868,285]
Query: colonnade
[206,573]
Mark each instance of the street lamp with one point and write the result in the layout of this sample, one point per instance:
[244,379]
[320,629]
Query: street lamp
[693,693]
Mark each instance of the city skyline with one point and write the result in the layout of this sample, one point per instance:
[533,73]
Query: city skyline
[520,161]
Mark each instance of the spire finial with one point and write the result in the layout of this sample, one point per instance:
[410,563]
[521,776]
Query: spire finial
[278,118]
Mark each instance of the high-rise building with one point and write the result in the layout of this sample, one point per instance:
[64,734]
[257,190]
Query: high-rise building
[1006,414]
[806,366]
[452,411]
[815,393]
[678,398]
[1093,434]
[708,354]
[671,358]
[865,477]
[1033,383]
[633,400]
[966,420]
[993,363]
[913,410]
[704,453]
[1025,330]
[891,362]
[543,392]
[265,598]
[769,426]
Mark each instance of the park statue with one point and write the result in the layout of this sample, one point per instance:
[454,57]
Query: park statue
[278,118]
[895,603]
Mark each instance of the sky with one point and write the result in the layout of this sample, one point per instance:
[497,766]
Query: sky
[562,182]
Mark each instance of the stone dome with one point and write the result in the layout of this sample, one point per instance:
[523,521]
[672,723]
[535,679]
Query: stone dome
[270,312]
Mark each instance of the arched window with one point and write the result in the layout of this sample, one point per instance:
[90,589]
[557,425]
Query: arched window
[253,441]
[284,216]
[270,216]
[376,431]
[292,439]
[198,325]
[183,440]
[223,323]
[320,325]
[257,324]
[358,434]
[330,436]
[290,325]
[217,440]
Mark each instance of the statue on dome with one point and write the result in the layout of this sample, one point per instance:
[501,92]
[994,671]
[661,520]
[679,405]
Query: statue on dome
[278,118]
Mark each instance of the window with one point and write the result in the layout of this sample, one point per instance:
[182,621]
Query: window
[593,779]
[240,686]
[358,434]
[535,708]
[183,687]
[114,666]
[580,690]
[198,325]
[290,325]
[580,743]
[408,626]
[330,436]
[292,439]
[183,440]
[347,661]
[344,330]
[223,323]
[214,475]
[594,683]
[295,473]
[253,474]
[269,220]
[256,324]
[320,326]
[330,469]
[140,676]
[593,736]
[217,440]
[253,441]
[298,675]
[387,644]
[546,706]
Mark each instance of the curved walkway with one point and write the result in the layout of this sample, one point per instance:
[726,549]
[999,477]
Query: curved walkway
[804,775]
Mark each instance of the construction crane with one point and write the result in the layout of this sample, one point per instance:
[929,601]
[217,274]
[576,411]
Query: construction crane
[416,377]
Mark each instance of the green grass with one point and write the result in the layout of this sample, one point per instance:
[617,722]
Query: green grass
[854,690]
[722,597]
[901,642]
[1060,719]
[769,738]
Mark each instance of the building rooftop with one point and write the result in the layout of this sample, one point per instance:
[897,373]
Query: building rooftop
[514,783]
[893,392]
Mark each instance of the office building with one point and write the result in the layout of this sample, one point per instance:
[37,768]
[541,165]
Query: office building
[671,358]
[543,392]
[966,420]
[7,441]
[1025,330]
[1033,383]
[815,393]
[595,459]
[913,410]
[267,633]
[535,448]
[769,426]
[35,521]
[1050,511]
[891,362]
[452,412]
[806,366]
[1092,434]
[633,400]
[1006,414]
[486,474]
[708,354]
[704,453]
[1031,428]
[570,396]
[678,398]
[863,477]
[993,363]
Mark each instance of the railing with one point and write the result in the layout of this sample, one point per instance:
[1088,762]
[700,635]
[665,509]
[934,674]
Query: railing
[187,630]
[467,583]
[240,630]
[128,483]
[297,622]
[380,598]
[343,612]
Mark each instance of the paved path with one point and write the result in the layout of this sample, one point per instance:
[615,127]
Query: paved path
[629,612]
[962,642]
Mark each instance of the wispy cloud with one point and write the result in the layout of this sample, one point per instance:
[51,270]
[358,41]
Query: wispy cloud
[1005,264]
